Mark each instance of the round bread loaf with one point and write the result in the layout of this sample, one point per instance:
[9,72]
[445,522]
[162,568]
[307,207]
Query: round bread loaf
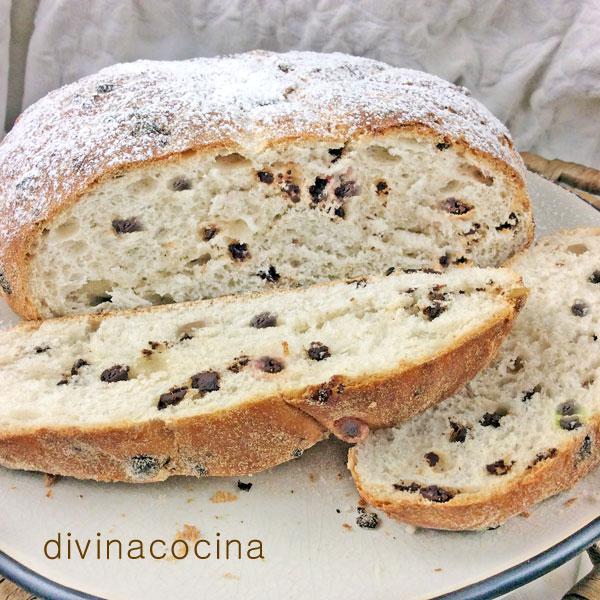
[158,182]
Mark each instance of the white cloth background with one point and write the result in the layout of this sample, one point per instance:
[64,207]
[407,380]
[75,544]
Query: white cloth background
[535,64]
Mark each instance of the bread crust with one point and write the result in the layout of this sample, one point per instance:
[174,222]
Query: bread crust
[259,434]
[34,189]
[475,511]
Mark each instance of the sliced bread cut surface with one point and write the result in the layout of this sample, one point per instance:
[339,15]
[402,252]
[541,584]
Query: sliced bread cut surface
[158,182]
[238,384]
[525,428]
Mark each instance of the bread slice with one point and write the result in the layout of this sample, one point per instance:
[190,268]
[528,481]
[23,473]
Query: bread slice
[524,429]
[158,182]
[239,384]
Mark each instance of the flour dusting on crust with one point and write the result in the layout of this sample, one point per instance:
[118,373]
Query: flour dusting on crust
[145,110]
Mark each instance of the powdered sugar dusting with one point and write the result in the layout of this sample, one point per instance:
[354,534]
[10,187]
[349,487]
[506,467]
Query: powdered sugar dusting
[146,110]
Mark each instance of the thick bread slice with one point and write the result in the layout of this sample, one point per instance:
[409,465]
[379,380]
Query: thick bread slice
[158,182]
[525,428]
[239,384]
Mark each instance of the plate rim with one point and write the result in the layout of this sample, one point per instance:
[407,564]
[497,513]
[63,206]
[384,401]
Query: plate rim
[491,587]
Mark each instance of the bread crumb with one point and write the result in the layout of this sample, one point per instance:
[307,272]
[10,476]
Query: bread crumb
[525,514]
[286,348]
[347,526]
[339,476]
[222,496]
[312,477]
[439,569]
[570,501]
[230,576]
[189,533]
[50,480]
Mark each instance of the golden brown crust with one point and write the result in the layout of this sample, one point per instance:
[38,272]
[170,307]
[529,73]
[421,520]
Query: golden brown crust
[480,511]
[239,441]
[345,407]
[35,187]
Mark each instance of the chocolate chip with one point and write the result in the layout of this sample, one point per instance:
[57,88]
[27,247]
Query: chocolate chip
[130,225]
[528,395]
[512,222]
[444,260]
[566,409]
[432,459]
[407,487]
[297,452]
[143,465]
[389,271]
[245,487]
[271,275]
[458,433]
[238,363]
[318,351]
[491,420]
[516,366]
[173,397]
[336,153]
[366,520]
[569,423]
[4,284]
[105,88]
[206,381]
[208,233]
[115,373]
[580,308]
[595,276]
[239,251]
[455,206]
[40,349]
[346,190]
[434,310]
[292,190]
[461,260]
[499,467]
[585,450]
[321,395]
[317,190]
[264,320]
[540,456]
[350,429]
[443,146]
[381,187]
[340,212]
[80,362]
[436,494]
[269,364]
[265,177]
[180,184]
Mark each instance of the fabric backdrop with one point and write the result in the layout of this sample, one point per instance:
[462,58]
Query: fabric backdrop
[535,64]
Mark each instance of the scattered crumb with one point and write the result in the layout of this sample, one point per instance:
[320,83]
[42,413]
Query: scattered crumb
[347,526]
[50,480]
[438,569]
[81,495]
[222,496]
[338,511]
[286,348]
[49,494]
[230,576]
[291,491]
[312,477]
[189,533]
[525,514]
[189,500]
[123,515]
[339,476]
[570,501]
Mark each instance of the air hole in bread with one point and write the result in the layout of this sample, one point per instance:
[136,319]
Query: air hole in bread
[233,160]
[476,174]
[577,249]
[200,261]
[382,154]
[180,184]
[67,229]
[451,186]
[145,184]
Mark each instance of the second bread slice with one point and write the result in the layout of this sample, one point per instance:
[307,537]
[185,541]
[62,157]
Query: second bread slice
[239,384]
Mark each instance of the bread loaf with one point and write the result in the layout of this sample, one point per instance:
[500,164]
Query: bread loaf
[235,385]
[159,182]
[525,428]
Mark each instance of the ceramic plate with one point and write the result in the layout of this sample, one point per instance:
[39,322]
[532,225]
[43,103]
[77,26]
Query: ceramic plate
[303,513]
